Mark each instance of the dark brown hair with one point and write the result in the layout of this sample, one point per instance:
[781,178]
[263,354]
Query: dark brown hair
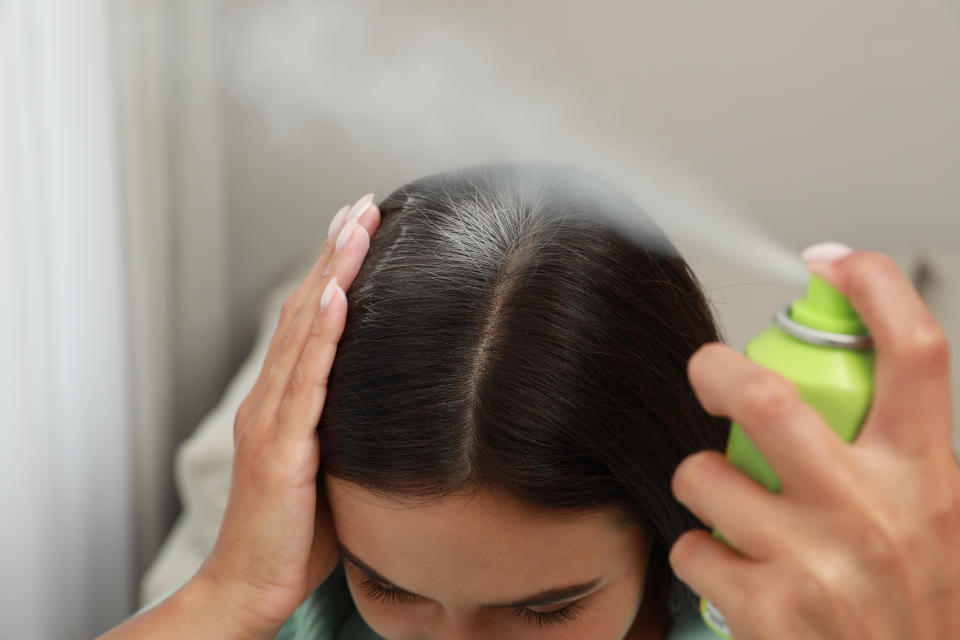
[504,333]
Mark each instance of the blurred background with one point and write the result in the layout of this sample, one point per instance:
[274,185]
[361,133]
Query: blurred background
[167,167]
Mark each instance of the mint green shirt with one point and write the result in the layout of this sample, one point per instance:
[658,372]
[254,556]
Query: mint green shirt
[330,614]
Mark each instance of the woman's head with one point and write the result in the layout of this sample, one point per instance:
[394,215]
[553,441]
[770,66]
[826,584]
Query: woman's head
[508,404]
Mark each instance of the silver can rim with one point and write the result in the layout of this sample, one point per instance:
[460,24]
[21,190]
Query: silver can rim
[817,336]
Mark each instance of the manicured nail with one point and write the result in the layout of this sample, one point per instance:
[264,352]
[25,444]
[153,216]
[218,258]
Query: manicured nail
[328,293]
[360,206]
[346,232]
[820,258]
[825,252]
[337,221]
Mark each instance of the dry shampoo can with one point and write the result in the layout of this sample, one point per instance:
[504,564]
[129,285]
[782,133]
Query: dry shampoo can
[820,344]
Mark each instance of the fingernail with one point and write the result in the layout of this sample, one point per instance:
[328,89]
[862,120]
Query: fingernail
[360,206]
[328,293]
[820,258]
[346,232]
[337,221]
[825,252]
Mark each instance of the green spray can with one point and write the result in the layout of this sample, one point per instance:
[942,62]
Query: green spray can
[820,344]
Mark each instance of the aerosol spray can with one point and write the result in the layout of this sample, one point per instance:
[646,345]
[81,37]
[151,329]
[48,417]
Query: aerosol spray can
[820,344]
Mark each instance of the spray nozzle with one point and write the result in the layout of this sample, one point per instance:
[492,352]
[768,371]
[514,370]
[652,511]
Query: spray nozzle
[825,308]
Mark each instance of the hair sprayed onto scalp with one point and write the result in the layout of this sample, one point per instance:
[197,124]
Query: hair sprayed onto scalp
[523,330]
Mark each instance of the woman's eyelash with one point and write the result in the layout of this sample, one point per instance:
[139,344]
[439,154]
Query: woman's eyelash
[541,618]
[378,591]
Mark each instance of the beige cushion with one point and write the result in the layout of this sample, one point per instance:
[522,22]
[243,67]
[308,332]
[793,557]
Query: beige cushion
[742,299]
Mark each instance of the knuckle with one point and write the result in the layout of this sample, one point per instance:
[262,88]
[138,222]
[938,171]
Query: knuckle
[288,308]
[255,453]
[926,348]
[242,410]
[821,578]
[299,378]
[879,547]
[309,371]
[767,396]
[882,544]
[239,420]
[245,443]
[287,337]
[245,413]
[317,325]
[945,516]
[816,587]
[320,355]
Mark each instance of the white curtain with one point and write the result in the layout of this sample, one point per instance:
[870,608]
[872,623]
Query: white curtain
[176,237]
[66,520]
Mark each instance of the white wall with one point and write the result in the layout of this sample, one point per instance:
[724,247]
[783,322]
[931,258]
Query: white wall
[815,120]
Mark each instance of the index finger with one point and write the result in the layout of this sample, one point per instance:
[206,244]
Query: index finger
[912,405]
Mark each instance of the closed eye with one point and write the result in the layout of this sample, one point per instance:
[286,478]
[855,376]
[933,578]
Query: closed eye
[378,591]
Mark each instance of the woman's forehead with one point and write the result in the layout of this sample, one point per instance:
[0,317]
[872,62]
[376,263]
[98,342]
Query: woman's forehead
[482,539]
[486,527]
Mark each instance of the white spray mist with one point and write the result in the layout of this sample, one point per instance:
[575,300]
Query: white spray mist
[441,92]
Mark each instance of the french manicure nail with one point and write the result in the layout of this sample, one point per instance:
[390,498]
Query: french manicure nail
[346,232]
[328,293]
[337,221]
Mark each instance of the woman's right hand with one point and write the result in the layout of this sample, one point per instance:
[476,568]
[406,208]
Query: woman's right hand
[276,543]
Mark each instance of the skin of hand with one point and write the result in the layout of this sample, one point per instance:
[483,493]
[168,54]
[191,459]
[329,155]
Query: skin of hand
[276,543]
[863,541]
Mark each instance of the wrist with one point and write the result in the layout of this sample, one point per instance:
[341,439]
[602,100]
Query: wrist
[219,611]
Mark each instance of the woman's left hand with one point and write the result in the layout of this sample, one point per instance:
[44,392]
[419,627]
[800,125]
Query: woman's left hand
[863,540]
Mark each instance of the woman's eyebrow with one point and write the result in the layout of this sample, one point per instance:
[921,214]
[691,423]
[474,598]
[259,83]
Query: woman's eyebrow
[547,597]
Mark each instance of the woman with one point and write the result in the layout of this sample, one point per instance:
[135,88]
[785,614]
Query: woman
[505,416]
